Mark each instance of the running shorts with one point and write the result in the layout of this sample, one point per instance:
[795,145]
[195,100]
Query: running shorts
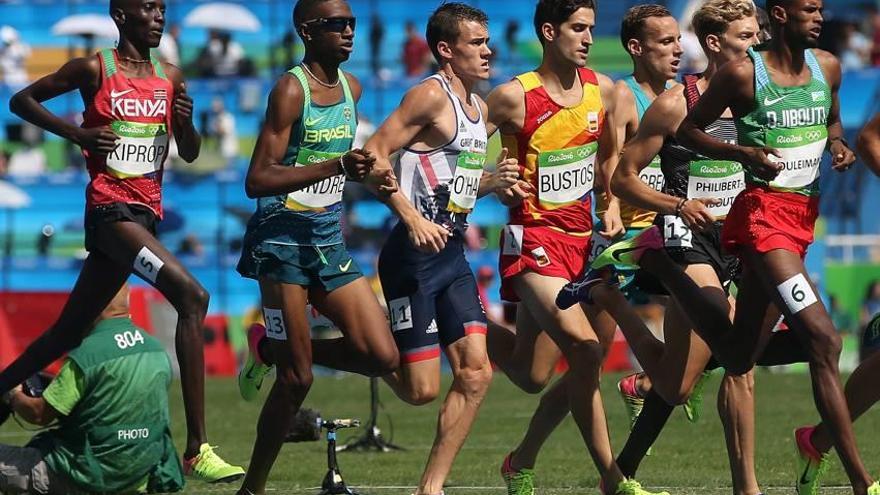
[542,250]
[326,267]
[763,220]
[98,218]
[432,298]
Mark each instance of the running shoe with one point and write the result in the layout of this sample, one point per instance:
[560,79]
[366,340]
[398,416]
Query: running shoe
[250,378]
[632,401]
[210,467]
[629,251]
[812,464]
[579,290]
[518,481]
[632,487]
[874,489]
[693,407]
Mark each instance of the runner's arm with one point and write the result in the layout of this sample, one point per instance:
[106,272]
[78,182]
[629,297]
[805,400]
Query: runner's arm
[659,122]
[610,143]
[267,175]
[869,144]
[189,142]
[507,112]
[842,157]
[417,111]
[729,88]
[80,73]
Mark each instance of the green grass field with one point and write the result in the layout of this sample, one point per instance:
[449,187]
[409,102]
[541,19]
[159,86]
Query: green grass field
[688,459]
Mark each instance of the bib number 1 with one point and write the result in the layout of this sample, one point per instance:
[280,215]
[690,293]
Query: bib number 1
[675,233]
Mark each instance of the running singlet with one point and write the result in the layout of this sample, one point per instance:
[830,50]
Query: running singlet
[138,110]
[442,183]
[631,216]
[310,216]
[556,149]
[792,120]
[691,175]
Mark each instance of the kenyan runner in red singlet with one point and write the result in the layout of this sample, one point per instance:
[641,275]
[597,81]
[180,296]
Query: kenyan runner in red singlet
[134,104]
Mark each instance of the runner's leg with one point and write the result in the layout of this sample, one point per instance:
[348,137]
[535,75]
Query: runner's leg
[289,345]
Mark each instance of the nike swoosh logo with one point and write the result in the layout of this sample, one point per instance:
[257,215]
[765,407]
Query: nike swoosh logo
[346,266]
[710,130]
[310,121]
[804,479]
[250,376]
[616,254]
[768,101]
[115,94]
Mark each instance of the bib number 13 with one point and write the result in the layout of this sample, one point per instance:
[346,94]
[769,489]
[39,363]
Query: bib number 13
[675,233]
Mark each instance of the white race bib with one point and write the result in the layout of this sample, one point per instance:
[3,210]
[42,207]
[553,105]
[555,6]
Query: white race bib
[716,179]
[141,149]
[321,195]
[466,182]
[566,176]
[801,151]
[598,244]
[675,233]
[652,175]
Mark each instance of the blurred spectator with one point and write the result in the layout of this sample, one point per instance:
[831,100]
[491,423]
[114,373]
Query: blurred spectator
[855,47]
[30,159]
[169,47]
[693,59]
[871,303]
[13,53]
[221,57]
[511,32]
[842,319]
[416,52]
[873,21]
[377,35]
[222,128]
[44,240]
[191,246]
[763,25]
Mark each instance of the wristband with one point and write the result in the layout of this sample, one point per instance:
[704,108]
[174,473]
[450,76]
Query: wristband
[341,167]
[680,206]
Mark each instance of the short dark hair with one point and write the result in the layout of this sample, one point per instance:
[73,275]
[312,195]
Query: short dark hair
[301,12]
[556,12]
[633,24]
[445,23]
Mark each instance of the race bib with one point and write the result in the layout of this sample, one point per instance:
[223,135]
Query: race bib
[321,195]
[141,149]
[466,182]
[675,233]
[801,151]
[716,179]
[566,176]
[652,175]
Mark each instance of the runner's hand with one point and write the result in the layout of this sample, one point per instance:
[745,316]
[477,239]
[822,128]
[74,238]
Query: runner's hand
[515,194]
[357,164]
[384,181]
[98,140]
[842,157]
[757,160]
[427,236]
[611,221]
[182,108]
[695,213]
[506,172]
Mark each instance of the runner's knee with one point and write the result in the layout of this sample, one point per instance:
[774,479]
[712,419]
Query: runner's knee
[419,394]
[585,356]
[296,379]
[475,379]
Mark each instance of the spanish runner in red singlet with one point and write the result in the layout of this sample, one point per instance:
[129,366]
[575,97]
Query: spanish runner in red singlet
[133,105]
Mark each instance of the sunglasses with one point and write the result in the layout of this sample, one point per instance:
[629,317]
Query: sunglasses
[335,24]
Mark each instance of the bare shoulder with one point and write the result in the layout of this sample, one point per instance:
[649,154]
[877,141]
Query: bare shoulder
[668,109]
[671,100]
[736,71]
[605,82]
[174,73]
[829,63]
[287,86]
[508,94]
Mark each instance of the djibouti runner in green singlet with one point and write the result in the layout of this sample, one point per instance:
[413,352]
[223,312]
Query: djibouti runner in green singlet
[293,245]
[785,103]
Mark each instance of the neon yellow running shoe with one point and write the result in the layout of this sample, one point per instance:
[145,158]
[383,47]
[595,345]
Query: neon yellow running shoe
[693,407]
[519,481]
[874,489]
[632,401]
[632,487]
[210,467]
[812,464]
[250,378]
[628,252]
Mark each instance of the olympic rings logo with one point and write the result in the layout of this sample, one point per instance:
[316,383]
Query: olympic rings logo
[813,135]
